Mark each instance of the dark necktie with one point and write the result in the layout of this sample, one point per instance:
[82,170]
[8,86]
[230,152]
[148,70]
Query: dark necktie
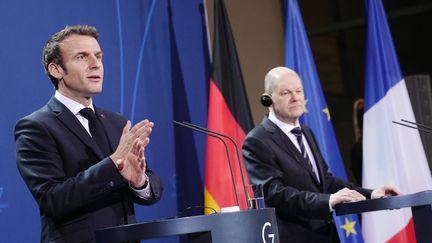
[298,133]
[96,130]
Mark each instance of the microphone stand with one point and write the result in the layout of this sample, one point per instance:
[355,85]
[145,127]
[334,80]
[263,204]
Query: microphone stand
[236,150]
[226,150]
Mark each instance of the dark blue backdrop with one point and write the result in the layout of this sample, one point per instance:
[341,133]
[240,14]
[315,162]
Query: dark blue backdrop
[156,67]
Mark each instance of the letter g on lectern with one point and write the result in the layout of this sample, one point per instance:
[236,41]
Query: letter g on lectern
[269,238]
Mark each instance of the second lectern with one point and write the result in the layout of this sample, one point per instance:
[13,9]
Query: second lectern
[420,204]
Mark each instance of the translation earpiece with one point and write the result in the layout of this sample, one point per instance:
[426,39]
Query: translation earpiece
[266,100]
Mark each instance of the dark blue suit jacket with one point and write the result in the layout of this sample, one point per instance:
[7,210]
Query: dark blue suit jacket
[78,190]
[301,202]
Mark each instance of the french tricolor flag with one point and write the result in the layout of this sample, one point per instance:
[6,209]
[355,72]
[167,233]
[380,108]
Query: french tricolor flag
[392,154]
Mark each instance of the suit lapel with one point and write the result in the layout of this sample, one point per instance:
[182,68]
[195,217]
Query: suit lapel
[112,139]
[72,123]
[316,153]
[278,135]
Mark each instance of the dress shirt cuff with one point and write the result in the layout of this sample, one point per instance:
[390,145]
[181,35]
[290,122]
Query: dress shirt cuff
[329,203]
[144,193]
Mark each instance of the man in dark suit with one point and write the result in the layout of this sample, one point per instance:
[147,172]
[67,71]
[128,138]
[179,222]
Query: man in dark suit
[85,166]
[283,156]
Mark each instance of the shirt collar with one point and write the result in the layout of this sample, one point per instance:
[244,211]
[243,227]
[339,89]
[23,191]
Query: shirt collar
[285,127]
[71,104]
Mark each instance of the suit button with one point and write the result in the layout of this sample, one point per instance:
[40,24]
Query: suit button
[111,183]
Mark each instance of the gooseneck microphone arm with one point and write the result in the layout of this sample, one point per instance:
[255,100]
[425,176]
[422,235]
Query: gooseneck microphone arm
[226,150]
[419,126]
[236,150]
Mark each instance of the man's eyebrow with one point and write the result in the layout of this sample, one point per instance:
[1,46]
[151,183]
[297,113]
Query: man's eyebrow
[86,53]
[81,53]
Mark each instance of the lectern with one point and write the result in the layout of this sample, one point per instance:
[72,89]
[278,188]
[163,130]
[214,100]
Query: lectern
[420,203]
[256,226]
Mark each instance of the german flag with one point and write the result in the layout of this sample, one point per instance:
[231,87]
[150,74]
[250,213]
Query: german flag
[228,113]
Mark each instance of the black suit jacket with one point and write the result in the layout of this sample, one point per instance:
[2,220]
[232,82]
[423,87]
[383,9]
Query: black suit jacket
[301,202]
[78,190]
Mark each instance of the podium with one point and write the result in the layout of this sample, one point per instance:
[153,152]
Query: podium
[257,225]
[421,208]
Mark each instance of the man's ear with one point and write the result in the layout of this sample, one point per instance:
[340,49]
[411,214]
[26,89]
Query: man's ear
[55,70]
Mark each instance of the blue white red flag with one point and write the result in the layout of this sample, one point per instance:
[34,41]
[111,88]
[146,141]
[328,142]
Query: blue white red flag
[392,154]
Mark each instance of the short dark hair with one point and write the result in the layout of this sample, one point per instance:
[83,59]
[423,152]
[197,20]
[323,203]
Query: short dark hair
[51,52]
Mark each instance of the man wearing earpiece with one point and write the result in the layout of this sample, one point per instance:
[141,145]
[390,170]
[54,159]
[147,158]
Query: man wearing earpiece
[283,156]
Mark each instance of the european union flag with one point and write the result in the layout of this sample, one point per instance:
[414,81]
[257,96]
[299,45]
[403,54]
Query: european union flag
[298,57]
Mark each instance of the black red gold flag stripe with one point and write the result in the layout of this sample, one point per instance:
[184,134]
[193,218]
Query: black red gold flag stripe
[228,113]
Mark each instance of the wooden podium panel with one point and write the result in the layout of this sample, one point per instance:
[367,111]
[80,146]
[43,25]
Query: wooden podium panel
[420,203]
[236,227]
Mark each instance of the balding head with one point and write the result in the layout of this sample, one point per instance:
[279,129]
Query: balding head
[273,76]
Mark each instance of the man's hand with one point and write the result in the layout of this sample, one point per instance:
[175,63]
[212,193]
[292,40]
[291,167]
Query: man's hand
[345,195]
[129,155]
[133,167]
[385,191]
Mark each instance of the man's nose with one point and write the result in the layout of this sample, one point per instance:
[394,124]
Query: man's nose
[295,96]
[95,62]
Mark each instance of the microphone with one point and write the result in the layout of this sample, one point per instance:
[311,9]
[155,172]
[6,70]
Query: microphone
[429,128]
[236,150]
[213,134]
[420,127]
